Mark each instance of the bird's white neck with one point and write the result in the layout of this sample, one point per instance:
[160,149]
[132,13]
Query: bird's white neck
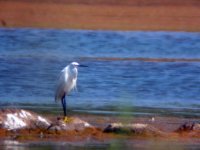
[74,72]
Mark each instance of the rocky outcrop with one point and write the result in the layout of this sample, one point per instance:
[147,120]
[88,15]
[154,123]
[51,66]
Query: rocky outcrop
[18,119]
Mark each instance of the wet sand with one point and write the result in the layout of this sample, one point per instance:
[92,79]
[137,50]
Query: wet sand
[102,15]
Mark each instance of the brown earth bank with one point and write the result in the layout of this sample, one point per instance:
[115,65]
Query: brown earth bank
[170,15]
[118,2]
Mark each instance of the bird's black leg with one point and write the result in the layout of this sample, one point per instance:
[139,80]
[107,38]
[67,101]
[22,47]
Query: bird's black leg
[64,106]
[66,119]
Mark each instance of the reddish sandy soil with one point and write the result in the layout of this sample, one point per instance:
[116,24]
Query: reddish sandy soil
[180,15]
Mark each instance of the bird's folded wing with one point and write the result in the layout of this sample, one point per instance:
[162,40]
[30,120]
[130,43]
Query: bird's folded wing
[61,86]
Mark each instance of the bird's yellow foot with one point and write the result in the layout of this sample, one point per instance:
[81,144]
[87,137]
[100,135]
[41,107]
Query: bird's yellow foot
[67,119]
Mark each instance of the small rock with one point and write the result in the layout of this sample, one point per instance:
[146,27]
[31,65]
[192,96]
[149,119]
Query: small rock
[152,119]
[14,119]
[75,124]
[41,135]
[189,126]
[135,129]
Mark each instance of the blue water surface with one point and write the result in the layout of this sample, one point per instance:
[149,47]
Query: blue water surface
[31,59]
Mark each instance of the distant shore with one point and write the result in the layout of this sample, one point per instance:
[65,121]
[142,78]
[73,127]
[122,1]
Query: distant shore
[167,15]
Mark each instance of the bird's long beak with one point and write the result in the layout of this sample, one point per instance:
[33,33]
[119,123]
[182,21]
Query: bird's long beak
[83,66]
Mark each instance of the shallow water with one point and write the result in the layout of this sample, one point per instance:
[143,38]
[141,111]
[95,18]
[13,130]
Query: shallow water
[115,144]
[164,80]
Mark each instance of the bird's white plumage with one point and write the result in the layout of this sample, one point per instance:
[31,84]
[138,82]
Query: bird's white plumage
[67,80]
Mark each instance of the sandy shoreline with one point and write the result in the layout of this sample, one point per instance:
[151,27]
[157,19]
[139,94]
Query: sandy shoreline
[24,128]
[168,125]
[102,15]
[93,139]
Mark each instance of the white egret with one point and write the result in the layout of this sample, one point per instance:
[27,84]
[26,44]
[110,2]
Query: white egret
[67,82]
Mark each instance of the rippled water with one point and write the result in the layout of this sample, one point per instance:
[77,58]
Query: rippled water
[141,72]
[102,145]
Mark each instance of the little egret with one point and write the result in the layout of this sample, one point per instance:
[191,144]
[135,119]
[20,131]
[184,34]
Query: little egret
[66,83]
